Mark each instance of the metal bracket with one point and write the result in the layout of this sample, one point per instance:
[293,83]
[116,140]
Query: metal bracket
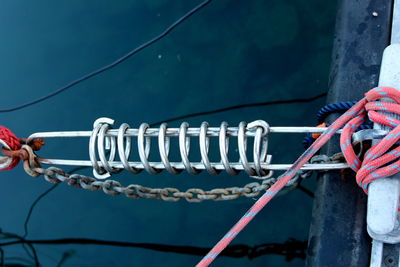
[368,134]
[383,196]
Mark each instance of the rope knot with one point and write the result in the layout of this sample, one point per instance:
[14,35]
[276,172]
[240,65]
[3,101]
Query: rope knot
[15,149]
[9,141]
[382,159]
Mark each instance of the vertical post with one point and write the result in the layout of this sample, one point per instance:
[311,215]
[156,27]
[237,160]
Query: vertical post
[384,193]
[338,235]
[383,197]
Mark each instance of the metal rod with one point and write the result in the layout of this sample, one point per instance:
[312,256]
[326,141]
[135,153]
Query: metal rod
[197,165]
[154,132]
[103,167]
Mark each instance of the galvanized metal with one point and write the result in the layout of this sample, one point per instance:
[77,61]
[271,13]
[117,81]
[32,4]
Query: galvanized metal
[174,132]
[384,193]
[104,140]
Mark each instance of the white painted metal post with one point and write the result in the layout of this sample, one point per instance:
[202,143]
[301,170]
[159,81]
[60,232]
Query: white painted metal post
[383,197]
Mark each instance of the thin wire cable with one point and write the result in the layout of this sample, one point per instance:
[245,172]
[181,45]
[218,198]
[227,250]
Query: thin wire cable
[65,256]
[305,190]
[267,103]
[20,240]
[33,205]
[28,216]
[19,260]
[113,64]
[40,197]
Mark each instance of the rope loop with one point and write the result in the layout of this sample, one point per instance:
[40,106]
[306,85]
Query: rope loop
[9,141]
[382,159]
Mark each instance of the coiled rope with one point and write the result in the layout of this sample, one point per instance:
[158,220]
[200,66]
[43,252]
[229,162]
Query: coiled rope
[375,164]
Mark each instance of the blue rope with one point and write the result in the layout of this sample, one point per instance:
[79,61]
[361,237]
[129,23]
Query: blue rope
[325,111]
[307,141]
[328,109]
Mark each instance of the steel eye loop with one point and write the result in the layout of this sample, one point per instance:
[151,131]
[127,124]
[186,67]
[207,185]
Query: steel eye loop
[125,152]
[242,145]
[224,148]
[144,149]
[184,148]
[164,147]
[204,142]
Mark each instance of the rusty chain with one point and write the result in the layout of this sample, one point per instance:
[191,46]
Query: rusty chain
[112,187]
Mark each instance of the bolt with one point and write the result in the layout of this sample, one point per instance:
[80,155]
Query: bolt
[389,260]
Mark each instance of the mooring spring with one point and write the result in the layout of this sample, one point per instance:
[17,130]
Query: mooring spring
[101,144]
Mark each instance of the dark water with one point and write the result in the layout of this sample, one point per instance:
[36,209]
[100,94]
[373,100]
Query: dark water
[232,52]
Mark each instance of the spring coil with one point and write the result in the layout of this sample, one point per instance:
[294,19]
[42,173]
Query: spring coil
[103,141]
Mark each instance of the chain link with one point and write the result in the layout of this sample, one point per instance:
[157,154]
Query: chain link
[112,187]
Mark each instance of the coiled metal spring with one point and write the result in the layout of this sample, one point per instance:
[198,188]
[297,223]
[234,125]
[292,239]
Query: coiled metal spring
[105,141]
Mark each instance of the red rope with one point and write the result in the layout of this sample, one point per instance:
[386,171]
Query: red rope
[378,161]
[374,165]
[13,142]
